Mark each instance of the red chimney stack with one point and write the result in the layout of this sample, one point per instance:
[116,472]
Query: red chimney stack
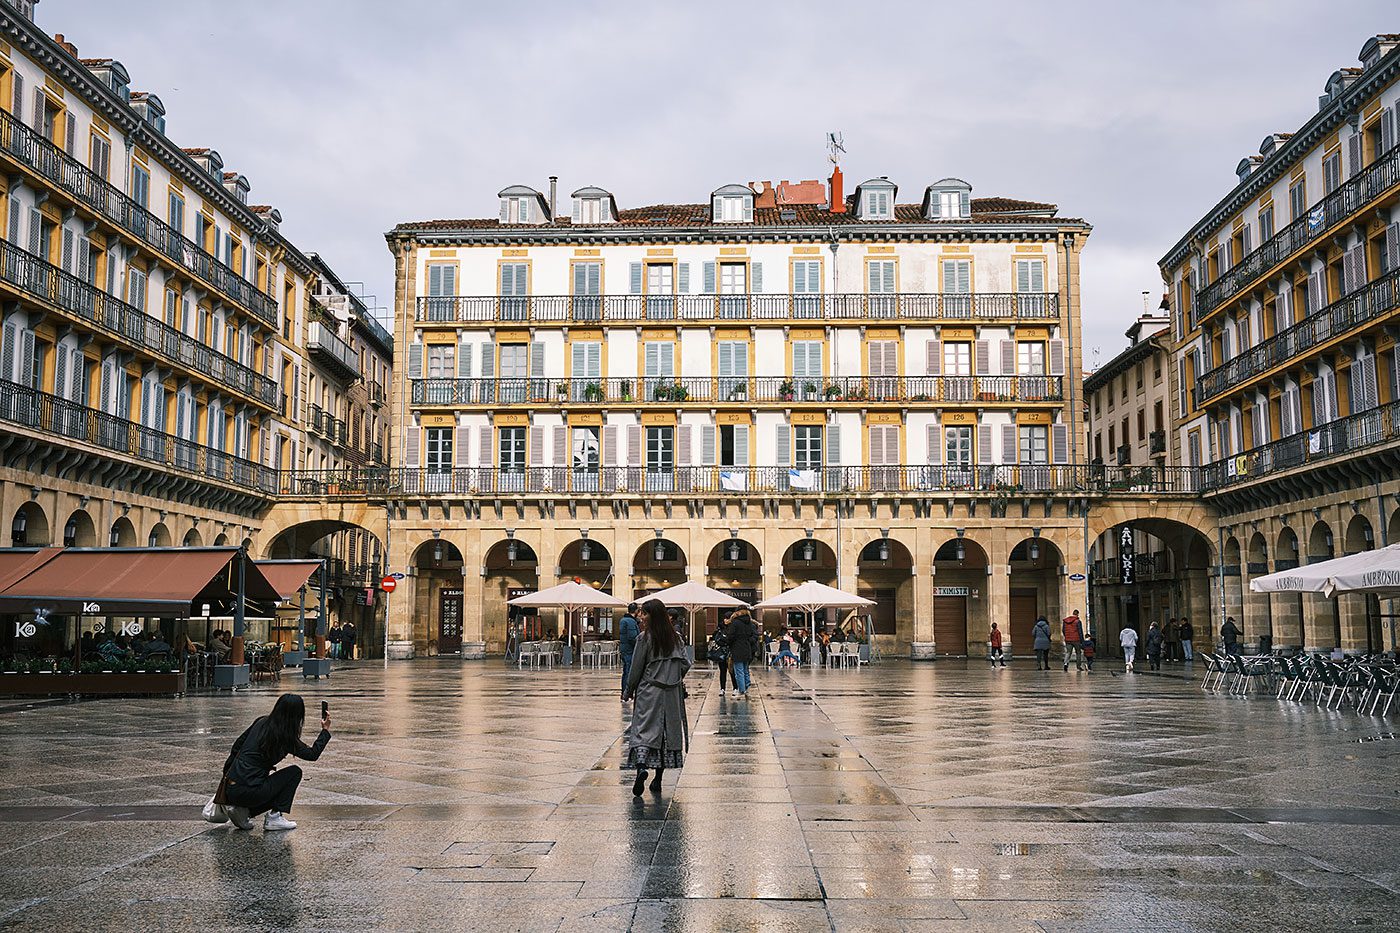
[838,191]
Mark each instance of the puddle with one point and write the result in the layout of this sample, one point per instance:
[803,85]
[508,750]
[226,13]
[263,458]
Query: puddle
[1013,848]
[1380,737]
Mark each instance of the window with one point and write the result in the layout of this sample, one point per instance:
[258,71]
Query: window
[807,369]
[877,205]
[957,287]
[511,457]
[1030,360]
[660,286]
[807,286]
[177,213]
[950,204]
[100,156]
[515,286]
[587,371]
[733,358]
[734,445]
[659,368]
[958,446]
[1331,172]
[1298,198]
[439,450]
[660,456]
[1030,275]
[441,365]
[733,289]
[591,211]
[442,286]
[880,279]
[514,371]
[1035,443]
[1139,370]
[585,459]
[1142,424]
[1266,223]
[957,371]
[136,288]
[807,447]
[588,291]
[733,209]
[519,210]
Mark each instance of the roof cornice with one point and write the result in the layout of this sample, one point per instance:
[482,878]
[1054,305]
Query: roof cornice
[1298,145]
[1134,354]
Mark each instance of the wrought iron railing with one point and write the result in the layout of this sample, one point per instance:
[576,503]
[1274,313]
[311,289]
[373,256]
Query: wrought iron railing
[857,306]
[1350,197]
[1340,317]
[738,389]
[321,339]
[27,147]
[1006,479]
[375,328]
[129,441]
[1157,442]
[127,324]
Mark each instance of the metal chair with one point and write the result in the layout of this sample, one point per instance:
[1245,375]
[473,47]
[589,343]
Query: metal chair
[590,651]
[529,652]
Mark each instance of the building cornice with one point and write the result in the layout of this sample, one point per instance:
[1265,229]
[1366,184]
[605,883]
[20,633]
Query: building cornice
[1119,364]
[1295,148]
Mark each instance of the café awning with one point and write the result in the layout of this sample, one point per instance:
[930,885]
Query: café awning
[172,582]
[1375,571]
[288,576]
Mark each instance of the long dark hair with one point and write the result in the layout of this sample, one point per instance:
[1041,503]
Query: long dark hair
[283,728]
[659,628]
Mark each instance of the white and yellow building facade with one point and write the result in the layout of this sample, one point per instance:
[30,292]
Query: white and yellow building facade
[1285,300]
[745,392]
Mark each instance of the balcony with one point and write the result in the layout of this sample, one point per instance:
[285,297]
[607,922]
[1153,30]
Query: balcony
[326,345]
[376,394]
[376,330]
[128,325]
[753,481]
[544,309]
[1124,454]
[1157,442]
[327,425]
[36,153]
[971,390]
[1366,304]
[1347,200]
[1340,439]
[63,421]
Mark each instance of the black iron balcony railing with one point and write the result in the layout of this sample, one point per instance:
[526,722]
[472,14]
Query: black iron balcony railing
[1375,427]
[376,329]
[330,348]
[1366,304]
[1006,480]
[1348,199]
[853,307]
[738,390]
[1124,454]
[327,425]
[1157,442]
[27,147]
[376,393]
[129,441]
[128,325]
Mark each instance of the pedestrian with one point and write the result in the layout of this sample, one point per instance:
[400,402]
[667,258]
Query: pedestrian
[627,632]
[1073,632]
[1090,649]
[347,640]
[250,785]
[785,654]
[333,640]
[659,733]
[743,639]
[1040,635]
[1155,641]
[1230,634]
[1128,639]
[718,652]
[996,653]
[1184,633]
[1170,634]
[824,640]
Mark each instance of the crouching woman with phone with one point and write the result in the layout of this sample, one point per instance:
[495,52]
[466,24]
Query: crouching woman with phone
[250,785]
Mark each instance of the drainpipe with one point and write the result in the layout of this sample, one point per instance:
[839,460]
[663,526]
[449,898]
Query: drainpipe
[1220,567]
[1071,393]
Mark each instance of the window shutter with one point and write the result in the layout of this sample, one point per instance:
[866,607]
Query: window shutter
[1059,443]
[1354,152]
[577,211]
[708,272]
[1008,443]
[877,445]
[707,445]
[505,210]
[741,444]
[965,203]
[488,360]
[1246,239]
[411,453]
[104,402]
[415,361]
[634,445]
[18,108]
[464,360]
[536,445]
[935,205]
[1183,390]
[1392,247]
[67,256]
[60,374]
[1315,300]
[610,445]
[833,445]
[756,277]
[26,372]
[35,224]
[537,360]
[1023,276]
[782,444]
[1057,357]
[1387,130]
[933,357]
[683,278]
[748,209]
[984,361]
[984,443]
[935,444]
[1008,357]
[683,457]
[561,445]
[37,117]
[635,270]
[14,222]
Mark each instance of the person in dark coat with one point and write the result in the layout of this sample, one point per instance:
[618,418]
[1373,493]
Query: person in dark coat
[1040,635]
[347,641]
[1155,641]
[627,632]
[1230,635]
[1185,633]
[659,733]
[251,786]
[742,636]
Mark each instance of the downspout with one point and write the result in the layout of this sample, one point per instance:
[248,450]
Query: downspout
[1220,567]
[1070,344]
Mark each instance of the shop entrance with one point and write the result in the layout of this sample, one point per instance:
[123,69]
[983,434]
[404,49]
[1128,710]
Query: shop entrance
[950,625]
[1023,615]
[450,622]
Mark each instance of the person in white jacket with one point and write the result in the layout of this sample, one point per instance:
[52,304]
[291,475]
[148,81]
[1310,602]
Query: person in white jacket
[1128,638]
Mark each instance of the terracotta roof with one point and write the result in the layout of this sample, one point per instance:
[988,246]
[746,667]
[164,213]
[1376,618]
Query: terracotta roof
[94,62]
[259,208]
[230,176]
[197,150]
[984,210]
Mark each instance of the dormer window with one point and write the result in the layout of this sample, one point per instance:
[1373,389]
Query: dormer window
[521,204]
[875,199]
[516,211]
[593,206]
[732,204]
[877,205]
[948,199]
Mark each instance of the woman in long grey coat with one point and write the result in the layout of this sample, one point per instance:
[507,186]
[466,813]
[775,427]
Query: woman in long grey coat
[659,734]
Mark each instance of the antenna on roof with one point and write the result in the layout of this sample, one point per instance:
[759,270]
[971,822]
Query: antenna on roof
[835,147]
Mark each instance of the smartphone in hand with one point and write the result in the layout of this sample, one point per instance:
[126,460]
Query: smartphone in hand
[325,709]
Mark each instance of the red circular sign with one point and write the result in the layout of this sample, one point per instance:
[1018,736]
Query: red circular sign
[388,584]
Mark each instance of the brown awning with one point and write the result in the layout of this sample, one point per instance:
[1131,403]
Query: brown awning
[288,576]
[129,581]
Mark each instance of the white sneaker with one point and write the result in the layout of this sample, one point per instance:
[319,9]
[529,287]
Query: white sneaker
[722,693]
[274,821]
[238,816]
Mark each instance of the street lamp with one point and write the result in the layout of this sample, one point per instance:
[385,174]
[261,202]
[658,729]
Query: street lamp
[809,551]
[116,536]
[437,545]
[733,552]
[585,551]
[70,533]
[17,529]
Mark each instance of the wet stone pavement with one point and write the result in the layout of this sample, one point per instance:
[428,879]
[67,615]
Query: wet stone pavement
[896,797]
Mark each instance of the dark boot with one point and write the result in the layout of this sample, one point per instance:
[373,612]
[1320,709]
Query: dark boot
[655,782]
[637,784]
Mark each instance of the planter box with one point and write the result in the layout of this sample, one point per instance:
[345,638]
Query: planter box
[90,684]
[316,667]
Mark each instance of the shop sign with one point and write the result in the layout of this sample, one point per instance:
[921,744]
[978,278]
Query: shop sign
[952,591]
[1125,553]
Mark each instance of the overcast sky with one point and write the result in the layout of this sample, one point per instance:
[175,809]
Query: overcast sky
[350,116]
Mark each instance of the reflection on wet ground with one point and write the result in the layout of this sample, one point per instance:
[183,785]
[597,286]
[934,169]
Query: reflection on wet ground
[897,797]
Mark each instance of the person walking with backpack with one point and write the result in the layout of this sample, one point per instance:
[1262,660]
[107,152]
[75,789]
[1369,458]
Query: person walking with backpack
[742,636]
[627,632]
[1040,641]
[1073,632]
[994,639]
[659,734]
[718,653]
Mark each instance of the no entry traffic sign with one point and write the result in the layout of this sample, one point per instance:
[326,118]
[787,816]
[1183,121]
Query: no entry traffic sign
[388,584]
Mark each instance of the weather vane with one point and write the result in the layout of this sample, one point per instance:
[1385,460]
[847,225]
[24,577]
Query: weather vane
[835,147]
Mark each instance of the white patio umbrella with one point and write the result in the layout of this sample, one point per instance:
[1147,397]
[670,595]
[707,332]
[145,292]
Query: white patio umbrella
[691,596]
[569,597]
[810,596]
[1364,572]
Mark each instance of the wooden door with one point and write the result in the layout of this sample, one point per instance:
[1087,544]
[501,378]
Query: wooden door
[950,625]
[1023,613]
[450,621]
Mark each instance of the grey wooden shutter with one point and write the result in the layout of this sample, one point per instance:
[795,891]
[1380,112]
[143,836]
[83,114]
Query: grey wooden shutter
[707,445]
[26,373]
[933,357]
[505,210]
[634,445]
[462,453]
[833,444]
[413,440]
[683,448]
[1008,443]
[1353,154]
[561,445]
[537,360]
[464,360]
[488,360]
[35,227]
[683,278]
[1392,247]
[935,444]
[984,443]
[984,358]
[610,445]
[935,205]
[1008,357]
[708,272]
[1057,357]
[415,361]
[635,277]
[37,117]
[756,277]
[70,130]
[67,254]
[1387,130]
[60,374]
[741,445]
[1315,299]
[536,452]
[14,225]
[782,444]
[18,108]
[1246,240]
[1059,443]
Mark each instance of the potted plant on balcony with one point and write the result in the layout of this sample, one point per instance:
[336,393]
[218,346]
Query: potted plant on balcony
[593,392]
[739,392]
[786,389]
[625,392]
[810,389]
[561,391]
[832,392]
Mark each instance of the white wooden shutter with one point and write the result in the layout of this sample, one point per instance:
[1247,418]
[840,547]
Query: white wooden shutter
[464,360]
[537,360]
[833,444]
[933,357]
[488,360]
[635,277]
[782,445]
[741,444]
[683,278]
[984,358]
[610,445]
[1008,443]
[707,445]
[1057,357]
[18,107]
[66,263]
[415,361]
[60,375]
[984,443]
[1315,293]
[756,277]
[1059,443]
[35,225]
[536,451]
[413,440]
[935,444]
[1008,357]
[1392,247]
[683,450]
[877,445]
[709,280]
[634,445]
[462,455]
[26,363]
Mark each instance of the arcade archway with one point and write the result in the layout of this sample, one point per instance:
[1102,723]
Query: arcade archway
[885,573]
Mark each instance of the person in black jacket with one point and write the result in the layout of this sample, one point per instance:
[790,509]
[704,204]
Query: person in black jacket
[252,787]
[742,637]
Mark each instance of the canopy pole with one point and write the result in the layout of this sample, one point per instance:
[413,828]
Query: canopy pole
[321,620]
[240,609]
[301,619]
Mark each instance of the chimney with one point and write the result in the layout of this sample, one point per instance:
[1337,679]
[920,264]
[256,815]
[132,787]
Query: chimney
[838,191]
[64,44]
[553,191]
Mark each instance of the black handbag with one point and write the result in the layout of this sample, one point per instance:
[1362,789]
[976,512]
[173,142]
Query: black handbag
[717,652]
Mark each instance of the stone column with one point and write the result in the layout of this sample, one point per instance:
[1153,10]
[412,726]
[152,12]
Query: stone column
[1203,608]
[400,606]
[1287,614]
[1257,618]
[921,645]
[473,592]
[1319,623]
[771,571]
[1351,609]
[1234,604]
[998,609]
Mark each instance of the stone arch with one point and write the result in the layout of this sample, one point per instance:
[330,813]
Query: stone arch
[1359,535]
[193,538]
[221,540]
[79,530]
[1174,572]
[1287,548]
[30,526]
[808,559]
[1321,543]
[588,560]
[1036,567]
[885,573]
[123,533]
[1258,554]
[510,565]
[435,554]
[657,564]
[159,536]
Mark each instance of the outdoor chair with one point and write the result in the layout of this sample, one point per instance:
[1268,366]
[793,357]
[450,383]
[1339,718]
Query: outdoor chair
[834,654]
[528,653]
[1215,671]
[1386,682]
[770,652]
[591,651]
[850,654]
[611,653]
